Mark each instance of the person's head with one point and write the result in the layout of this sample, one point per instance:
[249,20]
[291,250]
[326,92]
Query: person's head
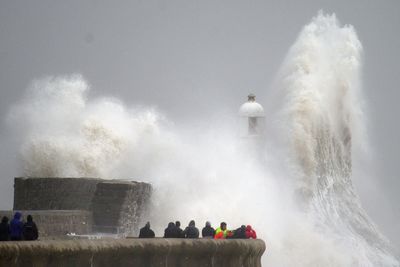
[17,215]
[243,227]
[248,228]
[147,225]
[208,224]
[223,226]
[192,223]
[4,219]
[178,224]
[29,218]
[171,224]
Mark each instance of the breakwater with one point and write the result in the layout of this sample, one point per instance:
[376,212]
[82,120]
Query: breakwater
[133,252]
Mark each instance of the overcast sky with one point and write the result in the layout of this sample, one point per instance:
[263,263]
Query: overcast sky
[191,59]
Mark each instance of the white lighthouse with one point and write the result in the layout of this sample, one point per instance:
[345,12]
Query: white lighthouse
[252,118]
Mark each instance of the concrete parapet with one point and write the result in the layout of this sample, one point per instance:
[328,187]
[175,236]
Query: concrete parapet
[133,252]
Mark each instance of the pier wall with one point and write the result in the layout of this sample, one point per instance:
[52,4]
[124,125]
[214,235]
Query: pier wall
[133,252]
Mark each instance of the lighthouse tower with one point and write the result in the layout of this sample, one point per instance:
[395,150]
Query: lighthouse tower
[252,119]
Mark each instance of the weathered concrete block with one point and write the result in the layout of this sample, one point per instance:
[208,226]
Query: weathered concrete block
[118,206]
[54,193]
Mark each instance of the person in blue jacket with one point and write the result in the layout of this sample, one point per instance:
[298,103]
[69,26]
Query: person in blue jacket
[16,227]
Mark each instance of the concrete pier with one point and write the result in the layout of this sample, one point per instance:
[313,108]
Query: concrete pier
[133,252]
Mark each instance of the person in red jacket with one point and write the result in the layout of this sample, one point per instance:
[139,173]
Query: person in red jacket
[250,233]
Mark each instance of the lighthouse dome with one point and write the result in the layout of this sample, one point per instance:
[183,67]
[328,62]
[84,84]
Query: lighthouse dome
[251,108]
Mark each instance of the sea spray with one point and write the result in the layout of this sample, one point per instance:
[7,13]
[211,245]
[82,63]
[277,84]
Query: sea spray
[64,134]
[320,79]
[208,174]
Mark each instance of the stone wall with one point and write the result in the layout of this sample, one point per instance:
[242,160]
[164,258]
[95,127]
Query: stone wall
[57,223]
[133,252]
[135,208]
[118,206]
[54,193]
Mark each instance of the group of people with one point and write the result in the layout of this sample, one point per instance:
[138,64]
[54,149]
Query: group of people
[174,230]
[17,229]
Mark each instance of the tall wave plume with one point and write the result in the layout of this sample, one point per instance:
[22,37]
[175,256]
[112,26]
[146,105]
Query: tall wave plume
[208,173]
[323,111]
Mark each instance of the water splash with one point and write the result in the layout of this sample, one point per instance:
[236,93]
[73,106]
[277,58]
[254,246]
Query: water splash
[66,135]
[321,79]
[208,174]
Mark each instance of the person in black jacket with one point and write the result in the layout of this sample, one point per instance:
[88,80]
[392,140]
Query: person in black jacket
[191,231]
[179,230]
[171,231]
[146,232]
[4,229]
[240,233]
[30,231]
[208,231]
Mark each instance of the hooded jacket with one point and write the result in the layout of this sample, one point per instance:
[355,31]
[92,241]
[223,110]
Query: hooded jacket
[179,230]
[240,233]
[171,231]
[250,233]
[191,231]
[4,229]
[30,230]
[208,231]
[146,232]
[16,227]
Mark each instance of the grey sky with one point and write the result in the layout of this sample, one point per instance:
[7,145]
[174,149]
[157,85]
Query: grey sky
[198,54]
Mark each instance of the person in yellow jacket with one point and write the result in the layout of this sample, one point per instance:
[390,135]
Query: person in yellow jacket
[221,232]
